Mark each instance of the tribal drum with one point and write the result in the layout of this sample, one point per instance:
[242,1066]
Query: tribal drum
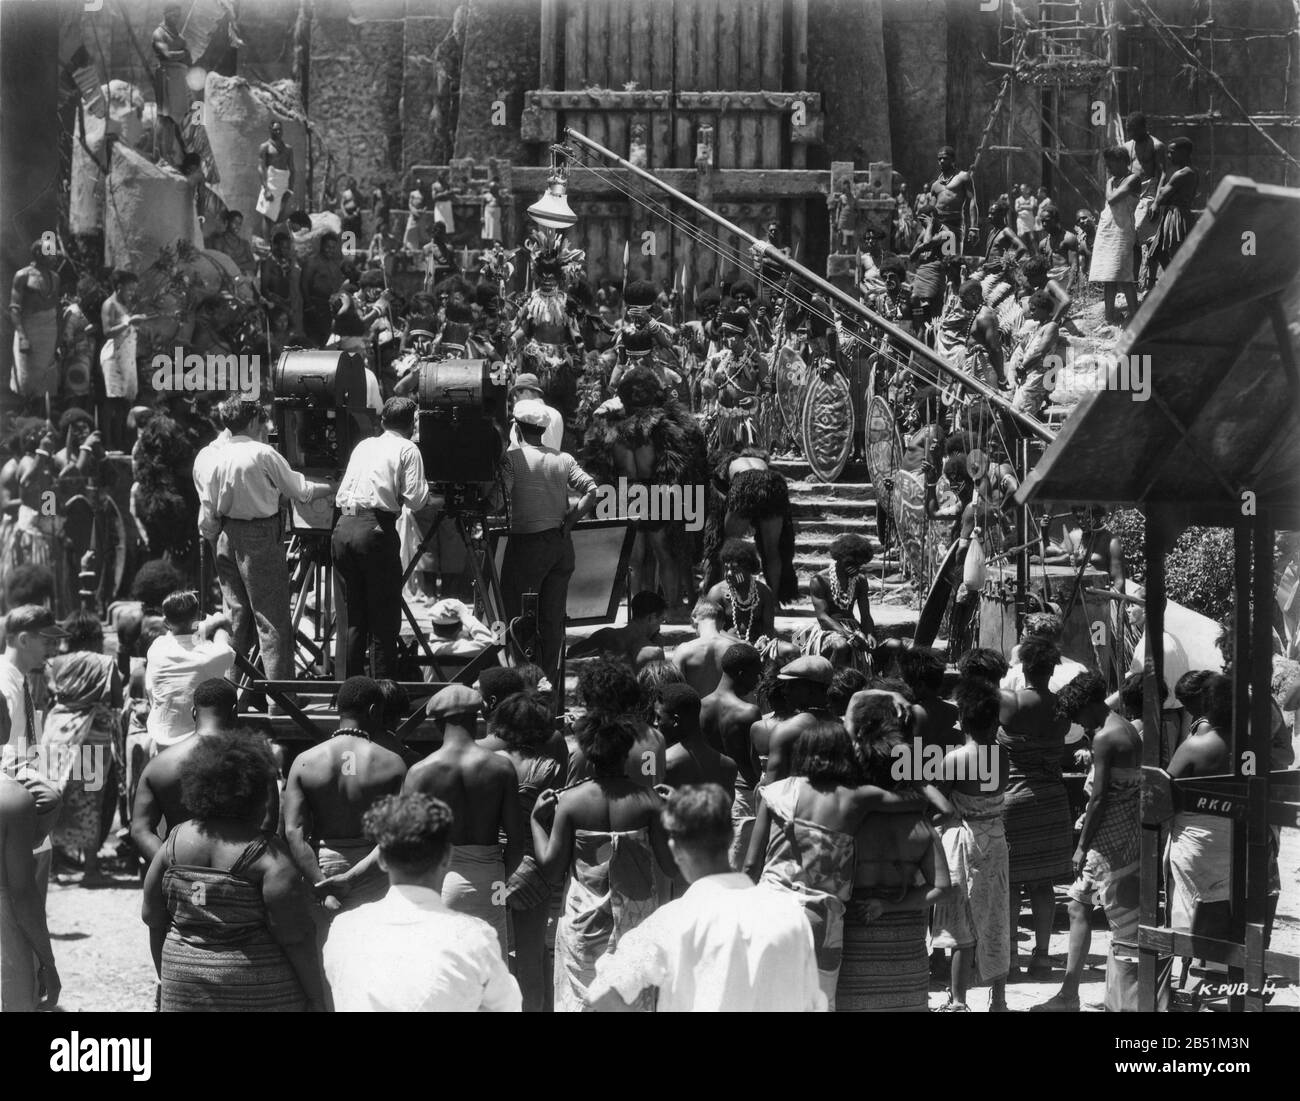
[1089,620]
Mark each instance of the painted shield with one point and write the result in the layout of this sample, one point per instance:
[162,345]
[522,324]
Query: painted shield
[936,601]
[907,506]
[791,374]
[827,428]
[884,449]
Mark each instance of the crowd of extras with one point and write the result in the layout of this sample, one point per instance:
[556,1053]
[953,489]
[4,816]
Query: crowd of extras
[713,831]
[990,289]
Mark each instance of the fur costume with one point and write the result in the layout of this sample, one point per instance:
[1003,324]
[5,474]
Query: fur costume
[649,415]
[753,495]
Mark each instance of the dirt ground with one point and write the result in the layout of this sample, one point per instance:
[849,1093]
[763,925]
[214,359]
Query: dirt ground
[102,947]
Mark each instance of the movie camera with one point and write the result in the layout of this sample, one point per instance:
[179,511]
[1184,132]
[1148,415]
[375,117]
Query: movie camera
[320,414]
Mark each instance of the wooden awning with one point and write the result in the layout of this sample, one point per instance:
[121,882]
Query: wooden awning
[1222,417]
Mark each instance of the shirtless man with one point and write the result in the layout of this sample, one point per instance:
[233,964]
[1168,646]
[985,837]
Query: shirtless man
[727,715]
[29,980]
[494,685]
[934,719]
[158,799]
[276,172]
[700,659]
[1148,155]
[969,337]
[691,759]
[729,712]
[637,642]
[804,682]
[1084,534]
[1106,861]
[482,790]
[329,789]
[171,90]
[745,597]
[952,196]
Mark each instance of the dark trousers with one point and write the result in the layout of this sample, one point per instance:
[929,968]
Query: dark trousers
[542,563]
[254,577]
[368,590]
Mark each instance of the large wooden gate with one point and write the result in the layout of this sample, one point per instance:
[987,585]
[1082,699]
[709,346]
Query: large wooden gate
[708,93]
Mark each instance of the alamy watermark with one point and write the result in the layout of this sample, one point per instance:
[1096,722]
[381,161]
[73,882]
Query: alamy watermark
[1089,372]
[655,502]
[918,763]
[87,764]
[192,372]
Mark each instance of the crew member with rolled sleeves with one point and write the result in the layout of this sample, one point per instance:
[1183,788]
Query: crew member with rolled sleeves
[384,473]
[539,553]
[239,508]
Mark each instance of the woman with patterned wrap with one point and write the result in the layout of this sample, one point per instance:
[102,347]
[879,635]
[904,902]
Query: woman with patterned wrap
[86,688]
[899,872]
[1037,808]
[606,834]
[229,915]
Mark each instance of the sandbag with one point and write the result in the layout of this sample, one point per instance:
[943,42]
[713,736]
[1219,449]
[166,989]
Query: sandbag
[125,119]
[236,116]
[147,207]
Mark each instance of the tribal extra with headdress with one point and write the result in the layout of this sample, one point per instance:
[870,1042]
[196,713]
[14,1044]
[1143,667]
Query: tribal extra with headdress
[752,495]
[646,415]
[551,342]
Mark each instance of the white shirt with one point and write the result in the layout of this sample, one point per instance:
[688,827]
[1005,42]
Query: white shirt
[14,752]
[552,434]
[473,638]
[408,953]
[205,464]
[174,667]
[385,472]
[246,482]
[724,946]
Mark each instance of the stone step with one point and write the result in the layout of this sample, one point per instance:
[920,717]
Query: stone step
[794,468]
[838,510]
[820,533]
[852,491]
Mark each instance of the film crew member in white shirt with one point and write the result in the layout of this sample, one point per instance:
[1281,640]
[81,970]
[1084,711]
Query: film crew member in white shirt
[178,662]
[408,952]
[726,945]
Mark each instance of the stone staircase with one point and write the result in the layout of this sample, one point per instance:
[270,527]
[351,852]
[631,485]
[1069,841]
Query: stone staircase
[821,513]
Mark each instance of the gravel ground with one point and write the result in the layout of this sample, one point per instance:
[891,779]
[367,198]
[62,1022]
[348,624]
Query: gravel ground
[102,947]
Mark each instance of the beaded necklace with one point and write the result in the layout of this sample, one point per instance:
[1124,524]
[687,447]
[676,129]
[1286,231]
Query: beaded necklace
[841,598]
[747,605]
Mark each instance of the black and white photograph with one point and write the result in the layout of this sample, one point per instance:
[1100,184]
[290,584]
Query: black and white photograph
[652,506]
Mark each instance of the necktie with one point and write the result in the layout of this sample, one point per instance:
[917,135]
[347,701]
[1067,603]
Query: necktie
[30,710]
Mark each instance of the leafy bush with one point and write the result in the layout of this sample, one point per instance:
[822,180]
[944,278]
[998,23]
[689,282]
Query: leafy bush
[1198,571]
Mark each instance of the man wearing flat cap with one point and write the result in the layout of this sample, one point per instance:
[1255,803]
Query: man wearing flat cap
[804,682]
[539,553]
[483,792]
